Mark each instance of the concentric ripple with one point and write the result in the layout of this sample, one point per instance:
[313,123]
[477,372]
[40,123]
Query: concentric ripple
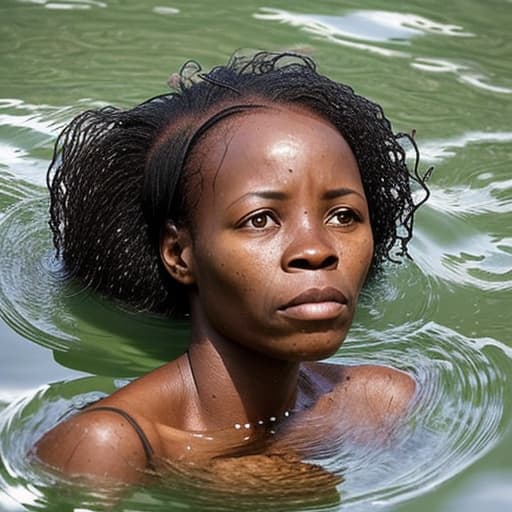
[86,332]
[460,412]
[39,276]
[444,317]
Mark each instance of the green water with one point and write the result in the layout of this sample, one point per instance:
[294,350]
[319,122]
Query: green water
[442,68]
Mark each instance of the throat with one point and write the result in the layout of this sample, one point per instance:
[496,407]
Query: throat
[233,387]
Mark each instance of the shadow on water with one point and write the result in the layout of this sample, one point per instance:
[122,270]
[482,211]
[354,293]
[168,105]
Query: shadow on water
[86,332]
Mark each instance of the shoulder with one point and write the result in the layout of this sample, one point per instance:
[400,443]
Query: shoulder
[384,390]
[374,395]
[98,444]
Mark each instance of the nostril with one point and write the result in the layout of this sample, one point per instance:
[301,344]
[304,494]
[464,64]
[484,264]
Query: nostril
[312,264]
[330,262]
[301,263]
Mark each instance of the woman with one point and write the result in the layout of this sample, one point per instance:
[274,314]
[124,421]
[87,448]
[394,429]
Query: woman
[257,199]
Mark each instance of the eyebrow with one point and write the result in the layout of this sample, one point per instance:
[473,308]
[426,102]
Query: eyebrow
[282,196]
[340,192]
[264,194]
[269,194]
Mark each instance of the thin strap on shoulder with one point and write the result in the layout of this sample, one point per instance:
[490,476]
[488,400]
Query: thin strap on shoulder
[148,449]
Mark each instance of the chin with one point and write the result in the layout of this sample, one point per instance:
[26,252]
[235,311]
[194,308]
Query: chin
[316,356]
[316,348]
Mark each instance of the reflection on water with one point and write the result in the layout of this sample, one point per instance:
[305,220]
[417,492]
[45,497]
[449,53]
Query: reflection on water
[436,151]
[342,30]
[458,414]
[461,71]
[87,333]
[365,25]
[67,5]
[375,27]
[165,10]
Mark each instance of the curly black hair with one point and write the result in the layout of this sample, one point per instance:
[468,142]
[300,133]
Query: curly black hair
[117,176]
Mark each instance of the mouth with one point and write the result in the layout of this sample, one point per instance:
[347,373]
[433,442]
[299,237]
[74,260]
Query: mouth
[315,304]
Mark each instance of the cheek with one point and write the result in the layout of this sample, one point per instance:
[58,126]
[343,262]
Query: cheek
[363,257]
[235,280]
[368,249]
[223,275]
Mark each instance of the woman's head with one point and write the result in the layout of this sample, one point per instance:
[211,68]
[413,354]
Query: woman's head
[281,241]
[119,177]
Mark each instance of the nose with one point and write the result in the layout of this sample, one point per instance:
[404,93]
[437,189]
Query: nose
[310,249]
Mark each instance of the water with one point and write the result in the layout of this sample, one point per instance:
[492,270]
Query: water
[441,68]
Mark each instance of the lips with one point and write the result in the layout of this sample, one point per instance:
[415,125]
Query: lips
[315,304]
[316,295]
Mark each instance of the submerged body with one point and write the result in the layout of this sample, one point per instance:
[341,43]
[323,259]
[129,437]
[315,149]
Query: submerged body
[333,404]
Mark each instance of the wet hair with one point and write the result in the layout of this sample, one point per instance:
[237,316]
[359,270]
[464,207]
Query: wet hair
[118,176]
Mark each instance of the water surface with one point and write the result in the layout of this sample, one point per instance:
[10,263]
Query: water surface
[441,68]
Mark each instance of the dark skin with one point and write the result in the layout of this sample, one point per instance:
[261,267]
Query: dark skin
[280,250]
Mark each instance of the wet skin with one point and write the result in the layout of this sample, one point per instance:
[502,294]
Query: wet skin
[279,249]
[282,236]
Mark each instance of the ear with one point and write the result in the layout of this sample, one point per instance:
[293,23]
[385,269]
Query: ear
[176,253]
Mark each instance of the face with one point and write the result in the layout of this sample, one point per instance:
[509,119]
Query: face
[282,241]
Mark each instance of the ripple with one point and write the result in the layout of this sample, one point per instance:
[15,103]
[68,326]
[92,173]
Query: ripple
[28,135]
[385,301]
[367,25]
[337,28]
[435,151]
[465,201]
[460,408]
[459,414]
[21,241]
[460,254]
[12,190]
[378,27]
[159,9]
[461,71]
[29,417]
[461,234]
[86,332]
[69,5]
[41,118]
[34,122]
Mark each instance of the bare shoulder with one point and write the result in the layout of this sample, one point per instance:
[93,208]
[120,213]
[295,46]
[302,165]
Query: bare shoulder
[112,438]
[98,444]
[371,394]
[384,390]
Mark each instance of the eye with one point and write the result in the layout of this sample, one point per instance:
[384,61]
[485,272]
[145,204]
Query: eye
[260,220]
[343,217]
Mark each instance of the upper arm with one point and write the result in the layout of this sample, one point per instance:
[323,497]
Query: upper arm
[98,444]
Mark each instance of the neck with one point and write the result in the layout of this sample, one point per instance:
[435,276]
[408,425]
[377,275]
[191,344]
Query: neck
[232,384]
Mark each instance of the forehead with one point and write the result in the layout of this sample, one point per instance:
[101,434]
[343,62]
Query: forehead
[245,146]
